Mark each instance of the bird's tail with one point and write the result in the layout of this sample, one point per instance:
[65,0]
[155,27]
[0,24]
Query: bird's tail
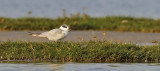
[34,34]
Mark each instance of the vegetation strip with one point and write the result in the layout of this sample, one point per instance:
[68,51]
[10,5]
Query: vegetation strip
[76,22]
[91,51]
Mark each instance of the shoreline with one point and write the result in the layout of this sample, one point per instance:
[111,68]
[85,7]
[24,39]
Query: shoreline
[78,36]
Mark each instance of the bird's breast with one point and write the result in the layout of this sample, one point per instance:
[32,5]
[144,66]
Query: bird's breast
[65,33]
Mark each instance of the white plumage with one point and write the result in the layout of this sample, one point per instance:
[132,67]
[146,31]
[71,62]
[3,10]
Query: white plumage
[55,34]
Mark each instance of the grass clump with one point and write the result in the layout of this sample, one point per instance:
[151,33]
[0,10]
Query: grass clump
[112,23]
[79,52]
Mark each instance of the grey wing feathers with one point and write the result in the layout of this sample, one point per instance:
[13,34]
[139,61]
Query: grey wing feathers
[51,33]
[54,34]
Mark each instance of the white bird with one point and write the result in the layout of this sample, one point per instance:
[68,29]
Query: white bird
[55,34]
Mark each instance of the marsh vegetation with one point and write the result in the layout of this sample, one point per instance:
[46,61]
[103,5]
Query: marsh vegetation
[84,22]
[91,51]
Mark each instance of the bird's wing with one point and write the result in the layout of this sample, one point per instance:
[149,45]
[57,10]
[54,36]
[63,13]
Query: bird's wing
[55,34]
[51,32]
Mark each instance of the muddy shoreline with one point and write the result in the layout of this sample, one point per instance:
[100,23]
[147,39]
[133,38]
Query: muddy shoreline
[76,36]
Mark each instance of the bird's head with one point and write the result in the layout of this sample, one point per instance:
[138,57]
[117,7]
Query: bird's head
[64,27]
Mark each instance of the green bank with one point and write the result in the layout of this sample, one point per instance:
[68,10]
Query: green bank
[90,51]
[110,23]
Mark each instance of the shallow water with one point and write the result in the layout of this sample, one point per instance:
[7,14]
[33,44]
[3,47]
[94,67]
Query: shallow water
[80,67]
[53,8]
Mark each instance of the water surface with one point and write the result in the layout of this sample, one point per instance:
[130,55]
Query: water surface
[80,67]
[97,8]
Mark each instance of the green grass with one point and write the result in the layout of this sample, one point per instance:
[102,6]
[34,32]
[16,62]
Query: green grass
[111,23]
[79,52]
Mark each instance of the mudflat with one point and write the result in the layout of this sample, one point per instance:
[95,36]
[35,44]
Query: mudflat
[76,36]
